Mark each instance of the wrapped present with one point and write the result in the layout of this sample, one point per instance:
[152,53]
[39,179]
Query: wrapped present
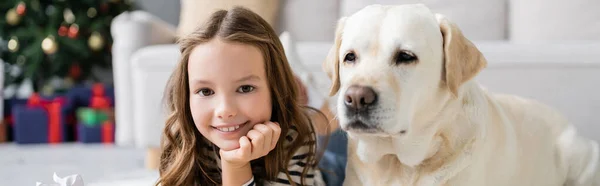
[84,96]
[7,120]
[39,121]
[104,133]
[95,124]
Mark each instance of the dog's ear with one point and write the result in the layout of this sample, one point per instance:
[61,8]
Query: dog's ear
[462,60]
[331,65]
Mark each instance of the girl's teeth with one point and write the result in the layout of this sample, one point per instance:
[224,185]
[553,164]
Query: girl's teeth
[229,129]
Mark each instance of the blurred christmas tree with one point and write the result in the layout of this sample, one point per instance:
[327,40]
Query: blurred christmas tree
[65,39]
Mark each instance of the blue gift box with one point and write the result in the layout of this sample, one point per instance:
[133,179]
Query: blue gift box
[7,115]
[94,134]
[31,125]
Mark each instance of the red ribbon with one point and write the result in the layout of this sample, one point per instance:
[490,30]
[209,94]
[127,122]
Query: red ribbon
[52,107]
[107,132]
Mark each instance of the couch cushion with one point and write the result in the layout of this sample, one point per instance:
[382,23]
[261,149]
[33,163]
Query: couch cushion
[309,20]
[543,52]
[196,12]
[151,68]
[479,19]
[541,20]
[567,86]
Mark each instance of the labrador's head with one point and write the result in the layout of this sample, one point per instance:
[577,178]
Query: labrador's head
[392,64]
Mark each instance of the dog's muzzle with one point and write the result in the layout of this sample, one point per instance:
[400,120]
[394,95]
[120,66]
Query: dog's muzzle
[359,101]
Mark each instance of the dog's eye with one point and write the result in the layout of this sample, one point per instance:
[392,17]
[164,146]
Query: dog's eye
[350,57]
[404,57]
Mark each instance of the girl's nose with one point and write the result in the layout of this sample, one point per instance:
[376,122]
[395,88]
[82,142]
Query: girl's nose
[227,109]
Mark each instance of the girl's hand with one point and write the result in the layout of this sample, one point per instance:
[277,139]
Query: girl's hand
[257,143]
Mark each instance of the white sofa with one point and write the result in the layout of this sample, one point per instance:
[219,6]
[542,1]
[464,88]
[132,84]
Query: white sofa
[559,66]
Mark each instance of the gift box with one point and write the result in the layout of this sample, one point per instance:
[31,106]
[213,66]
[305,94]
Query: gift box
[39,121]
[104,133]
[96,123]
[86,96]
[7,120]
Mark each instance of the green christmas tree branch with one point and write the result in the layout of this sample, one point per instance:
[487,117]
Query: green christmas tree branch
[56,19]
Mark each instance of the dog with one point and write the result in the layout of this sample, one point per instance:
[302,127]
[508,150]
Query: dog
[415,116]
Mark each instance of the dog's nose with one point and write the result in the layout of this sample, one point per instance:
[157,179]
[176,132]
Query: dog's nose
[359,97]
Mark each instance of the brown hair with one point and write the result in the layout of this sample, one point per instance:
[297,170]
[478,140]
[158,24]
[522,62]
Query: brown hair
[185,158]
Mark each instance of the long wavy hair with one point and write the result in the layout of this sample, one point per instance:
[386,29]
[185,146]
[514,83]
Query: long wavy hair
[185,157]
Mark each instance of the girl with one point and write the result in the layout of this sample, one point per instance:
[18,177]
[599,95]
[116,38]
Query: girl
[235,115]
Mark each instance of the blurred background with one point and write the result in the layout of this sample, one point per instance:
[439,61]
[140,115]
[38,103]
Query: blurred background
[83,79]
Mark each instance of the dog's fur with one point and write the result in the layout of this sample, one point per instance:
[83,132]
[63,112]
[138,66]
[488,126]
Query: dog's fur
[432,124]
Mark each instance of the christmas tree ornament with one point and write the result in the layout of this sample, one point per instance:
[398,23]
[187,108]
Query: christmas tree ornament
[12,18]
[75,71]
[104,7]
[13,44]
[15,70]
[69,16]
[49,45]
[63,30]
[73,31]
[21,60]
[50,10]
[91,12]
[21,8]
[96,41]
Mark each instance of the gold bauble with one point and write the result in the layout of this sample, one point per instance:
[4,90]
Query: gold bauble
[49,45]
[96,41]
[12,18]
[91,12]
[69,16]
[13,44]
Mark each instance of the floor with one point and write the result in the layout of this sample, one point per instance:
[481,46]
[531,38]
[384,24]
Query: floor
[97,164]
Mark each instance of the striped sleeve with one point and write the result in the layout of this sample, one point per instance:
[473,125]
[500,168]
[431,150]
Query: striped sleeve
[296,167]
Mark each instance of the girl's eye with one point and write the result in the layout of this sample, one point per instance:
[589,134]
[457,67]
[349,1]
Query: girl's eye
[245,89]
[206,92]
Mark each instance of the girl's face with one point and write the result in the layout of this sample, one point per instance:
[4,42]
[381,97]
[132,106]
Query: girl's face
[229,92]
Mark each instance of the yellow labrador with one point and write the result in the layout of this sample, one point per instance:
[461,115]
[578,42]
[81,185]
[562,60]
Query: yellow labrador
[415,117]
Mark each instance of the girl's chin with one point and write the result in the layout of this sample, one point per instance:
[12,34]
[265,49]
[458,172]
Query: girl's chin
[229,145]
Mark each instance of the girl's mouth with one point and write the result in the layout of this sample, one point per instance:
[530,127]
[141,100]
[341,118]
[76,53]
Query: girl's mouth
[231,128]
